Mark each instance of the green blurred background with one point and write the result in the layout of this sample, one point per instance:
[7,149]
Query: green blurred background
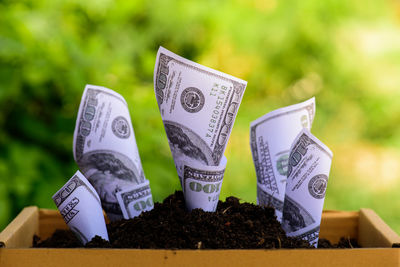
[346,53]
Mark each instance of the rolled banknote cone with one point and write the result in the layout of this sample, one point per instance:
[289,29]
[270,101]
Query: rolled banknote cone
[202,185]
[270,139]
[105,149]
[81,209]
[308,172]
[135,200]
[198,106]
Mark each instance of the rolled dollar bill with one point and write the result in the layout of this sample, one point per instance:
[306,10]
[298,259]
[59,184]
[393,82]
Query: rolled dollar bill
[198,106]
[308,172]
[270,139]
[202,185]
[135,200]
[105,148]
[80,207]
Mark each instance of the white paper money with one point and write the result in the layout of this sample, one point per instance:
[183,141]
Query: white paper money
[135,200]
[202,185]
[270,139]
[308,172]
[198,106]
[80,207]
[105,147]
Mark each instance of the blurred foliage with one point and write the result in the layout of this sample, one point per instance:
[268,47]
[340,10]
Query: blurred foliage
[346,53]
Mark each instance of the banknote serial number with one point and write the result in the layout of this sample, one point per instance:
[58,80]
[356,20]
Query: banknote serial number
[220,93]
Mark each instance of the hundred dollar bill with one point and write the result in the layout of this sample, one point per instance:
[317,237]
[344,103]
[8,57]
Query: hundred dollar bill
[80,207]
[135,200]
[198,106]
[308,172]
[105,147]
[270,139]
[202,185]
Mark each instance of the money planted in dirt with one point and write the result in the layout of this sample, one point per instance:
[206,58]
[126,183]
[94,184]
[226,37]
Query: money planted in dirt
[198,106]
[270,139]
[81,209]
[308,172]
[106,152]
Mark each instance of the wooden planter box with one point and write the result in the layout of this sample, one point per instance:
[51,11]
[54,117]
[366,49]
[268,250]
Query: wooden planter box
[372,233]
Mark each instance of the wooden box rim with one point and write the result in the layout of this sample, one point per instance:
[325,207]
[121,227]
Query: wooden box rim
[373,234]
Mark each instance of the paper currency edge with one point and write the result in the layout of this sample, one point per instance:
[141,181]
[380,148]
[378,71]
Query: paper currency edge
[85,180]
[190,62]
[285,110]
[318,142]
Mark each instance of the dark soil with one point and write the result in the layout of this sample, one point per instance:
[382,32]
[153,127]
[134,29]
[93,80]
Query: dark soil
[343,243]
[234,225]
